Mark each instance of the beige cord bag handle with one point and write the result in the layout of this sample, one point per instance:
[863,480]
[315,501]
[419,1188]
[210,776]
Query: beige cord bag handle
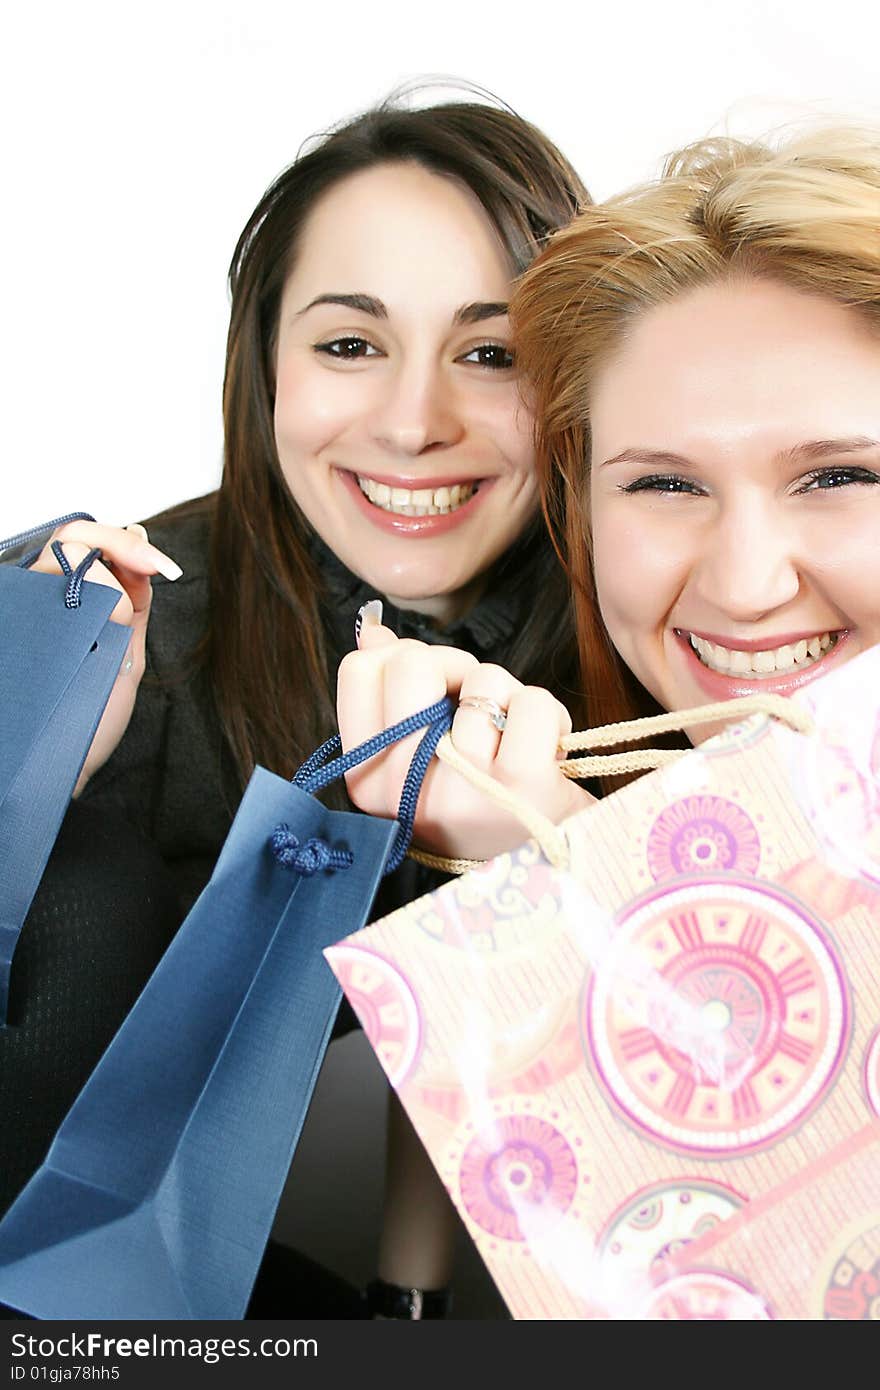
[551,838]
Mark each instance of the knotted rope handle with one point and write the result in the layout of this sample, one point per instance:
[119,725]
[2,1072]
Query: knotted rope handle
[551,838]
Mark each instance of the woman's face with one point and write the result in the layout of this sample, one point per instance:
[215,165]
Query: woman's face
[736,492]
[397,419]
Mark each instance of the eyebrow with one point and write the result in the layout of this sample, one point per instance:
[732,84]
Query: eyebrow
[477,312]
[363,303]
[808,452]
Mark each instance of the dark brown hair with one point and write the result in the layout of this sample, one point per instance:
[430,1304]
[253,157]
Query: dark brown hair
[268,656]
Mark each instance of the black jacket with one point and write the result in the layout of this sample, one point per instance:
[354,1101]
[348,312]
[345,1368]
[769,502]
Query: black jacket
[172,776]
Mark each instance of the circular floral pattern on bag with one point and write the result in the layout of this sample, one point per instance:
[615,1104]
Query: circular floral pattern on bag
[385,1005]
[706,1296]
[518,1174]
[702,835]
[718,1017]
[658,1221]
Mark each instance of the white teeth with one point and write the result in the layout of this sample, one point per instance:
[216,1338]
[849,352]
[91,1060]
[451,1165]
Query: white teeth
[416,502]
[773,661]
[740,663]
[785,657]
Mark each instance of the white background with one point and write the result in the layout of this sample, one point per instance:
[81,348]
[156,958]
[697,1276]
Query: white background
[137,139]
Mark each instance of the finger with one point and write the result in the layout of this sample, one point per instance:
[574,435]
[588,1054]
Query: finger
[360,697]
[473,732]
[372,692]
[419,675]
[529,747]
[138,588]
[373,636]
[125,612]
[124,547]
[377,689]
[361,712]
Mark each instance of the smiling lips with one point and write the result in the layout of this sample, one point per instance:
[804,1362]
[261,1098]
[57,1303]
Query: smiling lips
[725,672]
[423,501]
[433,507]
[770,661]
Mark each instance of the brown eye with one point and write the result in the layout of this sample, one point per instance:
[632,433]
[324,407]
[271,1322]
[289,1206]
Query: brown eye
[494,356]
[346,349]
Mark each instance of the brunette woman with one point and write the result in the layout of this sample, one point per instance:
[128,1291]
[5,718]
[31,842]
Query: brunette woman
[375,443]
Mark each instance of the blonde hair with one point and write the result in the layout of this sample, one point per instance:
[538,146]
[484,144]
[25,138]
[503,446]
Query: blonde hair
[805,214]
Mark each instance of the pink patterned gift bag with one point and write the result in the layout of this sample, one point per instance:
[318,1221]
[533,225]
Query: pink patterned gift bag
[607,1062]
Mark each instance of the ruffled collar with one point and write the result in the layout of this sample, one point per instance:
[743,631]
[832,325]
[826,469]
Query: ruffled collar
[486,628]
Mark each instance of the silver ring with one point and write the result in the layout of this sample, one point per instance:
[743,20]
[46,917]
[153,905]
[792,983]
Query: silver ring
[497,715]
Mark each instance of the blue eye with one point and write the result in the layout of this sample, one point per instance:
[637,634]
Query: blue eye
[347,349]
[830,479]
[494,356]
[663,483]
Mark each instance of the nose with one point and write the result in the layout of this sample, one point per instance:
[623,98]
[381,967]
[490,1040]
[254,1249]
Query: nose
[417,411]
[749,566]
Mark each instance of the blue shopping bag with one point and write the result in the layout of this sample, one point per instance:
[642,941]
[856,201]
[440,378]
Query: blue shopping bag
[157,1196]
[59,658]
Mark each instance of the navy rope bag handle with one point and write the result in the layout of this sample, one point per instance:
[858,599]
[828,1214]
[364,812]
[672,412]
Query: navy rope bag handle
[75,576]
[328,764]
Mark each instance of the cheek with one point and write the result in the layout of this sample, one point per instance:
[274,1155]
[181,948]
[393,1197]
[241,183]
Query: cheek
[511,428]
[617,563]
[639,571]
[311,408]
[844,564]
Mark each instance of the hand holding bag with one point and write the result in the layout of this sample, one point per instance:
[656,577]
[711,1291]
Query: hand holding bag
[59,658]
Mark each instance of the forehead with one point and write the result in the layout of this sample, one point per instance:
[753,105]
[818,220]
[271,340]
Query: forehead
[404,235]
[740,360]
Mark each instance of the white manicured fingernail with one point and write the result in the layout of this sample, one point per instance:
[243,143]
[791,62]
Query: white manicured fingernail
[166,566]
[138,529]
[369,615]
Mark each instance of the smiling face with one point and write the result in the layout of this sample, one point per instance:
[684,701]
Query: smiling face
[397,418]
[735,492]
